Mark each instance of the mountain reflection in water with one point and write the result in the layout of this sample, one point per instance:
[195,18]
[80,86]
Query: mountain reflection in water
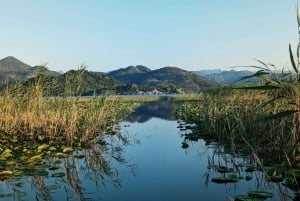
[163,109]
[143,160]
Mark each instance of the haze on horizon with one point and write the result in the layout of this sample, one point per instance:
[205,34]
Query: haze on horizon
[110,34]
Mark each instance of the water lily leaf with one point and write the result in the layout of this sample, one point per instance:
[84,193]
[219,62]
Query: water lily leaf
[42,172]
[23,158]
[6,154]
[260,194]
[67,150]
[37,159]
[221,180]
[43,147]
[60,155]
[30,166]
[18,173]
[3,158]
[233,176]
[247,198]
[212,166]
[223,169]
[53,167]
[6,172]
[58,174]
[53,187]
[52,148]
[293,173]
[250,169]
[275,179]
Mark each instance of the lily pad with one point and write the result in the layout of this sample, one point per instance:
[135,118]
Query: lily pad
[39,172]
[6,154]
[58,174]
[222,180]
[260,194]
[293,173]
[43,147]
[54,167]
[247,198]
[6,172]
[223,169]
[52,148]
[11,163]
[212,166]
[67,150]
[250,169]
[60,155]
[275,179]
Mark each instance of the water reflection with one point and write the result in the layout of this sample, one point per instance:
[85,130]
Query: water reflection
[163,109]
[241,172]
[67,177]
[157,168]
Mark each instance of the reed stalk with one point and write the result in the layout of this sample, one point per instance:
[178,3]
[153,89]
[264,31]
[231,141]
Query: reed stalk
[25,112]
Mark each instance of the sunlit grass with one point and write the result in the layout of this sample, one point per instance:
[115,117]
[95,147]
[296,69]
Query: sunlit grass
[34,117]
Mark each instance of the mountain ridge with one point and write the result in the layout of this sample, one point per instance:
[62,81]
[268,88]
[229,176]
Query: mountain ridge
[132,79]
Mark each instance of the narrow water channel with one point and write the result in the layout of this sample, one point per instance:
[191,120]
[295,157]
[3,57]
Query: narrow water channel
[145,162]
[163,170]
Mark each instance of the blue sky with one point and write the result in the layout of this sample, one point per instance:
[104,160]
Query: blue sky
[110,34]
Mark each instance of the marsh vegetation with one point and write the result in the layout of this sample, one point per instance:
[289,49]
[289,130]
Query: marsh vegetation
[56,142]
[261,119]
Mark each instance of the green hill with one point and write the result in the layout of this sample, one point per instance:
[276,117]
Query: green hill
[167,79]
[12,65]
[129,74]
[13,70]
[130,80]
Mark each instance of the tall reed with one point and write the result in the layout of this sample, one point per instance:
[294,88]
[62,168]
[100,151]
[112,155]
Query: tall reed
[25,112]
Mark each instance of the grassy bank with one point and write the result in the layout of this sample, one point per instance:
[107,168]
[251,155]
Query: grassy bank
[37,132]
[258,120]
[31,116]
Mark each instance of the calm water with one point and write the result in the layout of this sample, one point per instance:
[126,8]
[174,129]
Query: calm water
[145,161]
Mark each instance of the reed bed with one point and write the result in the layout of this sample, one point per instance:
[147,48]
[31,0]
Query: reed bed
[238,117]
[262,121]
[27,115]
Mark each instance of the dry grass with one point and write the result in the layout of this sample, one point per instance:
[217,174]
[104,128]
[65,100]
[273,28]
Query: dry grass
[32,116]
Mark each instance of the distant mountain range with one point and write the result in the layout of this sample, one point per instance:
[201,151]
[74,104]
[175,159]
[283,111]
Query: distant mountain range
[130,80]
[170,79]
[227,77]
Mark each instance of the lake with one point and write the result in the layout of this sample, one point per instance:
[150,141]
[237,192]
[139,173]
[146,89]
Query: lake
[147,160]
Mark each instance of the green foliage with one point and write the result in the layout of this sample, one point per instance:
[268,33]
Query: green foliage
[75,83]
